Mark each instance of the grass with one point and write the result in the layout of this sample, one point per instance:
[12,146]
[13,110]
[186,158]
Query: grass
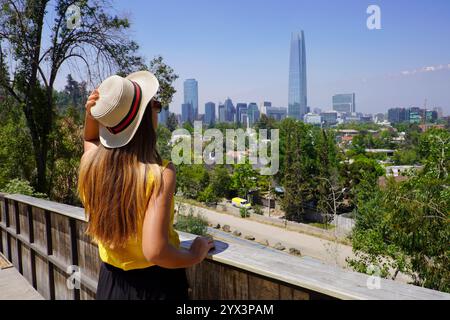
[325,226]
[190,223]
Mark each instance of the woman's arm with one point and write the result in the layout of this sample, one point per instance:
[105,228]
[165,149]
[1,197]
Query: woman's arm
[90,124]
[155,235]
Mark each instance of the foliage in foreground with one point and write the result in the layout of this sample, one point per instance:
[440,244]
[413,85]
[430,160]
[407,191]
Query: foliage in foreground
[405,227]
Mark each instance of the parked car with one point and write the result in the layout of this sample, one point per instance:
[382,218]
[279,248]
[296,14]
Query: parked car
[240,203]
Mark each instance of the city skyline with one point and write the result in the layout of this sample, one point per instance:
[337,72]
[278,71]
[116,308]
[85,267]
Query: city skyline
[401,65]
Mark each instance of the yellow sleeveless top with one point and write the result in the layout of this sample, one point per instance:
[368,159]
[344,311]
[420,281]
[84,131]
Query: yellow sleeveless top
[131,256]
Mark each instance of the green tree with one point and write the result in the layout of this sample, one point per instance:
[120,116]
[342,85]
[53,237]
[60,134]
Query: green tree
[166,77]
[295,158]
[172,122]
[221,182]
[208,195]
[243,179]
[192,180]
[405,227]
[99,41]
[65,155]
[163,141]
[74,94]
[405,157]
[16,160]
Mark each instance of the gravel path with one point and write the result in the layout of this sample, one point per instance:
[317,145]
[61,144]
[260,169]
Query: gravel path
[327,251]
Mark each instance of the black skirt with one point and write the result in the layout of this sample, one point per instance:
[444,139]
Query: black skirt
[152,283]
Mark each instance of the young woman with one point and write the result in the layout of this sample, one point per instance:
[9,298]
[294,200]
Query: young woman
[127,191]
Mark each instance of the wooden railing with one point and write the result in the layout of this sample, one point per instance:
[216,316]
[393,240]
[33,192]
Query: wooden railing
[43,239]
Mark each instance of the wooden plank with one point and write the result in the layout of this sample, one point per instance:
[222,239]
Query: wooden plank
[233,284]
[74,251]
[4,263]
[42,281]
[319,278]
[23,220]
[10,221]
[286,293]
[60,208]
[262,289]
[60,238]
[15,287]
[2,207]
[300,295]
[88,259]
[62,292]
[40,238]
[13,252]
[27,271]
[86,294]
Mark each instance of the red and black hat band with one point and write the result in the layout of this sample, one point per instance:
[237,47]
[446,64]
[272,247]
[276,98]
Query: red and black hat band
[132,113]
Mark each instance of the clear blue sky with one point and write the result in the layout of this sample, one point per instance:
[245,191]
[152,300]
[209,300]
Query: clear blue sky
[240,49]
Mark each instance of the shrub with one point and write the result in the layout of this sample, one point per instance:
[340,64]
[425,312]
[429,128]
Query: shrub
[208,195]
[192,224]
[244,213]
[257,209]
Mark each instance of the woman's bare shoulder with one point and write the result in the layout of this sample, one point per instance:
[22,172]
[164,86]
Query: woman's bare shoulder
[169,176]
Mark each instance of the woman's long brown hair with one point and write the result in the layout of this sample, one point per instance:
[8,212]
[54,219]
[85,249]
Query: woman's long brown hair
[112,185]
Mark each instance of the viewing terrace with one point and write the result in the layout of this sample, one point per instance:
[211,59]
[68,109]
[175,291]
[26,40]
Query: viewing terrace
[43,239]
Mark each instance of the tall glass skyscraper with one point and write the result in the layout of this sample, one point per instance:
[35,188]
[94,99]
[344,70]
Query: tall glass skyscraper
[241,108]
[230,110]
[187,113]
[191,95]
[210,113]
[253,113]
[297,77]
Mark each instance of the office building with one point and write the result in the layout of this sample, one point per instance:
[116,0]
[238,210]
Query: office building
[415,115]
[210,113]
[222,113]
[187,113]
[163,116]
[397,115]
[191,95]
[276,113]
[312,118]
[253,113]
[440,112]
[344,103]
[431,116]
[329,118]
[297,97]
[241,108]
[230,111]
[263,107]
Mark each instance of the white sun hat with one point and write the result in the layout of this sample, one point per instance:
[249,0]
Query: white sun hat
[121,105]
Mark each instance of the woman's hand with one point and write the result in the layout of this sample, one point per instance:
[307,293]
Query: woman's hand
[91,125]
[200,247]
[91,101]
